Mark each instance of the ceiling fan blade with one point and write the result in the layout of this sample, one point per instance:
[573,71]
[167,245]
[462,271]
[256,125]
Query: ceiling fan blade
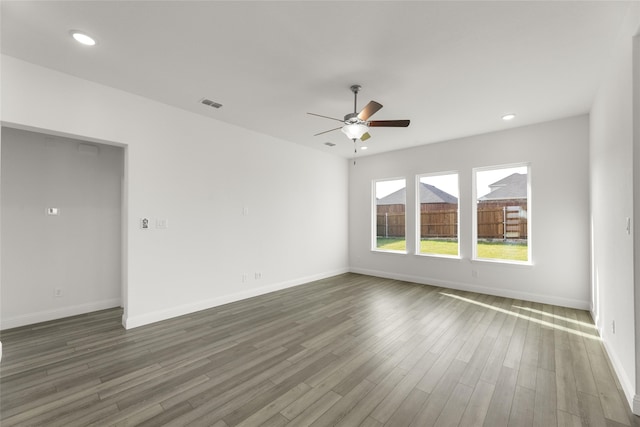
[326,117]
[369,110]
[365,136]
[330,130]
[390,123]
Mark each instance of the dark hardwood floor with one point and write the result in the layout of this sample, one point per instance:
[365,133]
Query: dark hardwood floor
[350,350]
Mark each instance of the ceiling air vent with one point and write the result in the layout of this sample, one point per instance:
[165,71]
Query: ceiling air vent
[329,144]
[210,103]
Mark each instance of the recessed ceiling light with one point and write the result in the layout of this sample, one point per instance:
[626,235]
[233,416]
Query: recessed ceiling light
[363,148]
[82,38]
[508,117]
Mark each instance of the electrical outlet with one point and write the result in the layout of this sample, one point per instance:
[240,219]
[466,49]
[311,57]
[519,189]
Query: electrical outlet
[474,273]
[258,276]
[57,292]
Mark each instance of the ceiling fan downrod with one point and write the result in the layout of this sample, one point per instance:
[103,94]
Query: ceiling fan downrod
[355,89]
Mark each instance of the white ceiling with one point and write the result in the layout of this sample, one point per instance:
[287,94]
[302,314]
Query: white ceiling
[453,68]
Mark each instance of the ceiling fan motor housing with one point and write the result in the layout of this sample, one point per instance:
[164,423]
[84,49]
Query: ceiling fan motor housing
[352,118]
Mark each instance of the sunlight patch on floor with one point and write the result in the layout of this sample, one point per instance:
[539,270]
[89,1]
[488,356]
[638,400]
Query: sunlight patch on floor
[522,316]
[555,316]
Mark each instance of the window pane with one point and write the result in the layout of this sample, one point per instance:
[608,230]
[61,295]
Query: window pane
[438,218]
[390,229]
[502,206]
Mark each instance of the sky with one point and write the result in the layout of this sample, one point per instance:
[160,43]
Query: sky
[384,188]
[449,183]
[484,178]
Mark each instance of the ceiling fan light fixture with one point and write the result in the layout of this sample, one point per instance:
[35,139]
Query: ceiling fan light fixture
[355,130]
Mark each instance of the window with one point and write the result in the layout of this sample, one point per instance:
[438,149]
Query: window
[389,233]
[502,222]
[437,217]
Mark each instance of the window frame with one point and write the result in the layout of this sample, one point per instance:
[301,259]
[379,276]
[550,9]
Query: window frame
[418,216]
[474,214]
[374,212]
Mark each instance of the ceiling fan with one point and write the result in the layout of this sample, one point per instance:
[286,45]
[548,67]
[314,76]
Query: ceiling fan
[356,125]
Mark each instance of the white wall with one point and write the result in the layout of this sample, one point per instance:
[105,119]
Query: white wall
[612,202]
[201,175]
[558,154]
[77,251]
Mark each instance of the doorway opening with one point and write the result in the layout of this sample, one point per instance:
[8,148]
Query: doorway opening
[63,226]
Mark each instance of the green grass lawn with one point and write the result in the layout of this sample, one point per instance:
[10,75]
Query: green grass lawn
[439,247]
[501,250]
[489,250]
[391,244]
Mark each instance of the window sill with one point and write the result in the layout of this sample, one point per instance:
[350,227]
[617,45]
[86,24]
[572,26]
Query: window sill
[503,261]
[440,256]
[386,251]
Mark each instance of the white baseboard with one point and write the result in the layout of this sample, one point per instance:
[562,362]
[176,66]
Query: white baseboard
[58,313]
[507,293]
[168,313]
[596,317]
[627,385]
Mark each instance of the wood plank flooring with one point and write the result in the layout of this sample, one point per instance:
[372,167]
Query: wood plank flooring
[351,350]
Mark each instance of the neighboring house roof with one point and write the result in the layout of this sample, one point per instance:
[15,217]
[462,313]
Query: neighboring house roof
[513,186]
[431,194]
[396,198]
[428,194]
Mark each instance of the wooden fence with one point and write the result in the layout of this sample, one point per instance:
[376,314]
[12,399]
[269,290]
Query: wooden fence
[390,225]
[508,222]
[443,223]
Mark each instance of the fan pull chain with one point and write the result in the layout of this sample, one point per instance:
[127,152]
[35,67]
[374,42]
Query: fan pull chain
[355,151]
